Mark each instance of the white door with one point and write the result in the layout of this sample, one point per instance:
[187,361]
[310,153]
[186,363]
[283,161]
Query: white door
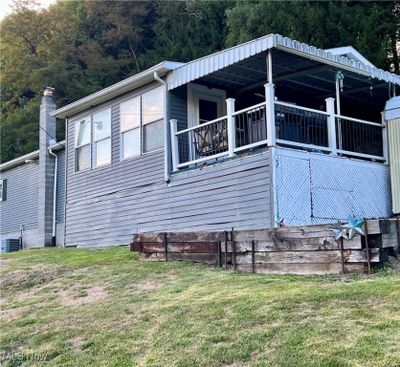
[205,104]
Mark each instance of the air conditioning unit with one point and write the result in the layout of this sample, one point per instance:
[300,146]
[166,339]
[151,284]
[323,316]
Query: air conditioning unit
[10,245]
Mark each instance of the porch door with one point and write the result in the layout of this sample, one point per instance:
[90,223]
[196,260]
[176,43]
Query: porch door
[205,104]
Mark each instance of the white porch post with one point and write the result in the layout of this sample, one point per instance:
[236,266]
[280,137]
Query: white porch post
[270,113]
[174,144]
[385,139]
[330,108]
[230,109]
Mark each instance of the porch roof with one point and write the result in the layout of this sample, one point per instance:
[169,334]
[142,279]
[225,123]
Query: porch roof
[206,65]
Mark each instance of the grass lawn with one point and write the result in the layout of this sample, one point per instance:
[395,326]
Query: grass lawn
[82,307]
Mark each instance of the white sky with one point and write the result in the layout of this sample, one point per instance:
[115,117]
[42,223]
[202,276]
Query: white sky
[5,6]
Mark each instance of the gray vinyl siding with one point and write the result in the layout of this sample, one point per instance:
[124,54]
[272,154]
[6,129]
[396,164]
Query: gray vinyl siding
[60,186]
[178,111]
[107,205]
[178,106]
[21,206]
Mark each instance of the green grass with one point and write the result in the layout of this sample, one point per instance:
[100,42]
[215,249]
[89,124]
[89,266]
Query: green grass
[81,307]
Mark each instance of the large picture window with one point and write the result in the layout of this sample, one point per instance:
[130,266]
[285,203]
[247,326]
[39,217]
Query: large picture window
[102,137]
[142,123]
[83,151]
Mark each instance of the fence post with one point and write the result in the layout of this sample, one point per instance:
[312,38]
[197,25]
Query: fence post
[174,144]
[385,139]
[230,109]
[330,108]
[270,113]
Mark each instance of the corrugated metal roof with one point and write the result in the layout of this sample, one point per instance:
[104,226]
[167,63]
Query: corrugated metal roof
[208,64]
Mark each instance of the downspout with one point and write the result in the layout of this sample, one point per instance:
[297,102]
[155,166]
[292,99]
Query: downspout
[66,182]
[167,176]
[54,196]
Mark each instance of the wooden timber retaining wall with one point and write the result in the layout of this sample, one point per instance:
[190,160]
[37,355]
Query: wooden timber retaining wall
[296,250]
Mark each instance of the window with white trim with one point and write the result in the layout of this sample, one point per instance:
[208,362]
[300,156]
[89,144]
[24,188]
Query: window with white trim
[83,139]
[142,123]
[102,137]
[130,127]
[3,190]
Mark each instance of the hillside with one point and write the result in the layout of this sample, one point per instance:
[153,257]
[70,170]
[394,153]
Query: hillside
[82,307]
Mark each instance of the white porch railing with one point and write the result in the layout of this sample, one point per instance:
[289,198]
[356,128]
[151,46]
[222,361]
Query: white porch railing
[273,123]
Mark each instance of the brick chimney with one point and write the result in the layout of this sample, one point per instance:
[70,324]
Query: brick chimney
[47,136]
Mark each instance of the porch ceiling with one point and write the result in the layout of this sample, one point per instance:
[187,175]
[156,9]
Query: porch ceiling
[301,74]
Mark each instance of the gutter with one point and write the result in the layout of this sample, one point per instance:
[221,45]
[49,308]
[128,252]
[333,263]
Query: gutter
[167,176]
[19,161]
[54,195]
[115,90]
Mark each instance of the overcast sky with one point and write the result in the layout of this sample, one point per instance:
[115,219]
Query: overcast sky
[5,6]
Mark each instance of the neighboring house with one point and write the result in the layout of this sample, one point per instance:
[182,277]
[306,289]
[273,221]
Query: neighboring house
[246,137]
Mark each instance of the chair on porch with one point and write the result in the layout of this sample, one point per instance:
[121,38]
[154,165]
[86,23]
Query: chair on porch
[210,140]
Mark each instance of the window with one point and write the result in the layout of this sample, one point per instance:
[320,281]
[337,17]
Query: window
[102,137]
[82,144]
[3,190]
[153,113]
[130,127]
[142,123]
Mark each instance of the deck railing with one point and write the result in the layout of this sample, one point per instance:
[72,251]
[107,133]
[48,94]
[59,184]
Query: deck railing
[301,126]
[273,123]
[359,137]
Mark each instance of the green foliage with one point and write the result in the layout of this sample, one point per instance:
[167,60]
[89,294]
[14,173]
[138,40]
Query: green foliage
[371,27]
[79,47]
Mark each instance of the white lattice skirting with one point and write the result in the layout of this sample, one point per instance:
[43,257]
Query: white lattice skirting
[313,188]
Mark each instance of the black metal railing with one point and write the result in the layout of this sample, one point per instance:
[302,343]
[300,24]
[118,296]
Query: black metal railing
[359,136]
[305,126]
[203,141]
[250,125]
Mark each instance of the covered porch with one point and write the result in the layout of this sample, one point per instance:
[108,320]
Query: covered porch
[283,97]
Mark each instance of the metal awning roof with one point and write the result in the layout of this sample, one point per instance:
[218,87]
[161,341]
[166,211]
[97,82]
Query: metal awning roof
[206,65]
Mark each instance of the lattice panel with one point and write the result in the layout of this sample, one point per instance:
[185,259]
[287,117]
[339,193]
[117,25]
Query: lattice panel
[314,189]
[293,190]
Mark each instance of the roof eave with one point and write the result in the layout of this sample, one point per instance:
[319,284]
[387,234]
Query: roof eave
[19,161]
[116,90]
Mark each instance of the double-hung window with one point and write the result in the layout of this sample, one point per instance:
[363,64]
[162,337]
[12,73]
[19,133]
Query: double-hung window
[83,139]
[130,127]
[102,137]
[153,113]
[142,123]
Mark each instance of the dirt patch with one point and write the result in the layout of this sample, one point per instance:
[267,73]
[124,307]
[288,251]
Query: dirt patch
[27,278]
[156,283]
[76,343]
[146,286]
[12,313]
[4,263]
[76,297]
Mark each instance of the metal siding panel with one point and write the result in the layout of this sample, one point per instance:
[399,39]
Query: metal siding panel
[21,206]
[60,186]
[394,160]
[232,193]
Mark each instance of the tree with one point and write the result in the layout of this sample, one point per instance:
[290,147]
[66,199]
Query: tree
[371,27]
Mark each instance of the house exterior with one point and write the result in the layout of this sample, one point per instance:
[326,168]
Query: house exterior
[268,132]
